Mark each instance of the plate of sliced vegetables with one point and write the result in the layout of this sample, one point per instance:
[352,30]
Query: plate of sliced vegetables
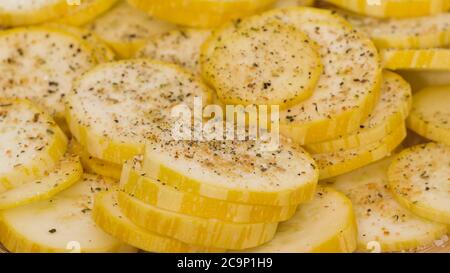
[213,126]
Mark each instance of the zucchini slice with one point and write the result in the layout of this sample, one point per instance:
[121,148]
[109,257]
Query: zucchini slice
[430,114]
[126,29]
[67,172]
[394,8]
[94,165]
[337,163]
[348,88]
[325,224]
[419,180]
[389,113]
[195,230]
[87,11]
[181,47]
[109,217]
[25,12]
[164,196]
[380,218]
[201,13]
[416,59]
[100,49]
[114,125]
[31,143]
[419,32]
[346,93]
[258,62]
[41,63]
[232,170]
[57,224]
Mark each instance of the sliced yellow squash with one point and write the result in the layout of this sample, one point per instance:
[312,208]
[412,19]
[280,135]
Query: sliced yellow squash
[26,12]
[31,144]
[114,125]
[41,63]
[325,224]
[100,49]
[389,114]
[419,180]
[348,88]
[164,196]
[430,114]
[256,62]
[416,59]
[109,217]
[232,170]
[201,13]
[180,46]
[196,230]
[394,8]
[67,172]
[381,220]
[337,163]
[88,10]
[94,165]
[126,29]
[406,33]
[61,223]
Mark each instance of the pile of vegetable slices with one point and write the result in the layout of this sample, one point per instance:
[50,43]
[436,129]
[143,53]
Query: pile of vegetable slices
[90,163]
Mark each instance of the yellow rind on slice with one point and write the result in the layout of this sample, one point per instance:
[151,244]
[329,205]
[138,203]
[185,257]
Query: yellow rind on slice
[262,63]
[198,13]
[159,194]
[390,113]
[423,32]
[179,46]
[326,224]
[126,29]
[114,125]
[381,220]
[88,10]
[419,180]
[60,224]
[418,32]
[109,217]
[31,143]
[337,163]
[416,59]
[430,114]
[94,165]
[233,170]
[196,230]
[67,172]
[24,12]
[40,64]
[100,167]
[394,8]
